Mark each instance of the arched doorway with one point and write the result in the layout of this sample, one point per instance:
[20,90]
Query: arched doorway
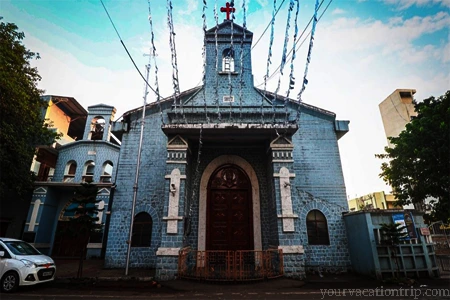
[229,215]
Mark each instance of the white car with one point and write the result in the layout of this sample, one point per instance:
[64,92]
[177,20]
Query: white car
[21,264]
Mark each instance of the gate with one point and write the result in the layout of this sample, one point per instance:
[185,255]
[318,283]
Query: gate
[223,265]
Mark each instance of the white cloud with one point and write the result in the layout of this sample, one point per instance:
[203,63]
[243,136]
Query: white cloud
[355,65]
[338,11]
[189,8]
[405,4]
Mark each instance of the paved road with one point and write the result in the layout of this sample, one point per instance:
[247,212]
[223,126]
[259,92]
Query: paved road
[283,291]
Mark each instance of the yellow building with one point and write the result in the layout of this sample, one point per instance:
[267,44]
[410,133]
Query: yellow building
[375,200]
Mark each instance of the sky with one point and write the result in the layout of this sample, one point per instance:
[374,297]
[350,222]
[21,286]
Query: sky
[363,50]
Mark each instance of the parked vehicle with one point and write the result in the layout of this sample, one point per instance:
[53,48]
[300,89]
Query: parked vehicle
[21,264]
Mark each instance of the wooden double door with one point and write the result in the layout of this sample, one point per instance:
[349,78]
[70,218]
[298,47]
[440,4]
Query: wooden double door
[229,210]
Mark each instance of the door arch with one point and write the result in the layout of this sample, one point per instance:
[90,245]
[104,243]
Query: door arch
[229,207]
[203,193]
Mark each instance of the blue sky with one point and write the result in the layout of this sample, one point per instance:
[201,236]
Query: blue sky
[363,51]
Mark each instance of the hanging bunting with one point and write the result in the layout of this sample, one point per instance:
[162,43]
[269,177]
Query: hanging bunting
[308,57]
[241,80]
[204,59]
[286,36]
[231,10]
[269,61]
[153,54]
[175,82]
[291,74]
[216,52]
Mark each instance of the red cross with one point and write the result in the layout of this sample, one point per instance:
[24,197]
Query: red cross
[227,9]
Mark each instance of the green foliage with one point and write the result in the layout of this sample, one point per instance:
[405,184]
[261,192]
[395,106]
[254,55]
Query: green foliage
[22,124]
[84,221]
[419,161]
[393,233]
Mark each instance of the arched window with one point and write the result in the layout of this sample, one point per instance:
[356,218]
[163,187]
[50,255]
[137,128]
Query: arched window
[88,174]
[107,171]
[97,128]
[142,230]
[69,172]
[317,227]
[228,60]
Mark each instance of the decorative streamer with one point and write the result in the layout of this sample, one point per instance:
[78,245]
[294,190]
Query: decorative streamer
[269,61]
[231,53]
[286,36]
[196,177]
[158,97]
[216,51]
[175,82]
[241,80]
[291,75]
[308,57]
[204,59]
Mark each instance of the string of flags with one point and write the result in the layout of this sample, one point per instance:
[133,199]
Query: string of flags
[269,58]
[153,54]
[308,57]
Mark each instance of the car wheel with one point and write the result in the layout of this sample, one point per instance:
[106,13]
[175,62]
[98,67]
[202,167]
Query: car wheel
[10,282]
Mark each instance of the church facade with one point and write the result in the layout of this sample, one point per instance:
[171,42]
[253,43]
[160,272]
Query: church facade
[227,166]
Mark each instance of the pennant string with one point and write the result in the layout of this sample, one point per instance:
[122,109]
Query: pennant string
[269,61]
[175,82]
[153,54]
[204,59]
[308,58]
[241,81]
[291,74]
[216,52]
[231,55]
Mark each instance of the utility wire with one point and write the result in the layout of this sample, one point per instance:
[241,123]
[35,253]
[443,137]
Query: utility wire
[129,55]
[276,71]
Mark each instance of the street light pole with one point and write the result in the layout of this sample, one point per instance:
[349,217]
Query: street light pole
[138,164]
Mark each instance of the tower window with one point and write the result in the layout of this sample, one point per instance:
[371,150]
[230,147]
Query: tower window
[228,60]
[97,128]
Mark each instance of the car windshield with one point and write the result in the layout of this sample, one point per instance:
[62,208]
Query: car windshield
[21,248]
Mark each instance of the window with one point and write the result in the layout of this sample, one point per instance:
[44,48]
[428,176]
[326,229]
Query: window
[89,168]
[107,172]
[69,173]
[97,128]
[142,230]
[228,60]
[317,228]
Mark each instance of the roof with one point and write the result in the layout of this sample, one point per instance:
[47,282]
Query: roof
[185,94]
[72,109]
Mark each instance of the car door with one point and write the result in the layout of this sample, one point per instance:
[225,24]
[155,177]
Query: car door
[3,260]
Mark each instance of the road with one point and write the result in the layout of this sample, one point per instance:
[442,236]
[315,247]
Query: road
[195,290]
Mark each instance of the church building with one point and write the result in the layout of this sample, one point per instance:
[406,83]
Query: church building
[231,178]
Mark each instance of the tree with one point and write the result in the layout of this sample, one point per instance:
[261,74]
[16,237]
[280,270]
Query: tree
[22,124]
[392,235]
[419,161]
[85,219]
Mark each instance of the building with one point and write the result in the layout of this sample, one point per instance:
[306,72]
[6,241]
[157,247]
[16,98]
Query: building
[376,200]
[371,253]
[396,111]
[67,117]
[87,152]
[227,167]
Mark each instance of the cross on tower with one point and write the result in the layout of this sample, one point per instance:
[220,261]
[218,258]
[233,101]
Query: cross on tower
[227,9]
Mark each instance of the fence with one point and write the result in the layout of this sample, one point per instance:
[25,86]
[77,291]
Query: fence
[241,265]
